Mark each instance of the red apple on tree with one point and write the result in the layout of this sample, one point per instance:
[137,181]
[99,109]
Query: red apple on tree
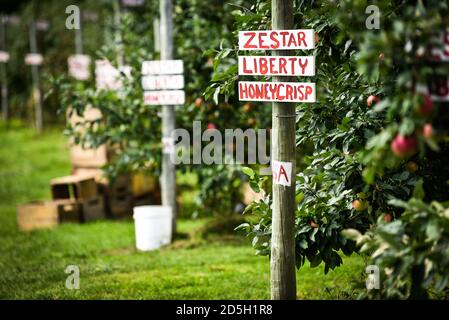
[359,205]
[247,107]
[427,106]
[198,102]
[372,99]
[427,130]
[251,121]
[388,217]
[404,146]
[317,38]
[411,167]
[211,126]
[313,224]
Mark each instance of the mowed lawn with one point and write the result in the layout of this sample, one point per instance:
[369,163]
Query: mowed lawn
[32,265]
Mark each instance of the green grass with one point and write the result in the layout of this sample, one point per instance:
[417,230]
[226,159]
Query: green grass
[32,264]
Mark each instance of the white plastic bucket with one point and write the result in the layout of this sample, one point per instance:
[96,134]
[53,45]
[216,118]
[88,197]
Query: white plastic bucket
[153,227]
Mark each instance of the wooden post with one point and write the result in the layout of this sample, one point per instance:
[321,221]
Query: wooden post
[168,177]
[79,36]
[3,75]
[283,272]
[117,35]
[35,77]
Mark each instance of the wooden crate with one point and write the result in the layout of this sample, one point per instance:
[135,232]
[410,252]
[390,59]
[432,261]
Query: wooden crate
[44,215]
[143,184]
[88,158]
[120,206]
[74,187]
[68,210]
[117,196]
[96,173]
[93,209]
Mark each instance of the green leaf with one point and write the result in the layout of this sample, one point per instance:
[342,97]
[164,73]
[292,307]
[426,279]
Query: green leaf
[351,234]
[248,171]
[418,192]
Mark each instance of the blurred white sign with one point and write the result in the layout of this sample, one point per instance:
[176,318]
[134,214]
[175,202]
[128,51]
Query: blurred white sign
[42,25]
[164,82]
[108,77]
[166,76]
[89,15]
[437,89]
[34,59]
[438,54]
[167,97]
[133,3]
[162,67]
[13,20]
[79,65]
[4,57]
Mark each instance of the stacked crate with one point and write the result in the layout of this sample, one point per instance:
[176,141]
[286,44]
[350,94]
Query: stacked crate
[118,196]
[47,214]
[81,190]
[75,199]
[116,193]
[89,158]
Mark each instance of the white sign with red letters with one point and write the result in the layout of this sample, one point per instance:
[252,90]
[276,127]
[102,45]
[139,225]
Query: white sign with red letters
[163,82]
[79,66]
[302,39]
[158,67]
[437,89]
[282,173]
[165,97]
[277,66]
[108,77]
[277,91]
[163,79]
[34,59]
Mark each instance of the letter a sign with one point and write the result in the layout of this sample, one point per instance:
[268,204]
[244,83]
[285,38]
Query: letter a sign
[282,173]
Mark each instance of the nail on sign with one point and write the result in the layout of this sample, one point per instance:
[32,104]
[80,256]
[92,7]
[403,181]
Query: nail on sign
[277,40]
[282,173]
[277,91]
[281,66]
[34,59]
